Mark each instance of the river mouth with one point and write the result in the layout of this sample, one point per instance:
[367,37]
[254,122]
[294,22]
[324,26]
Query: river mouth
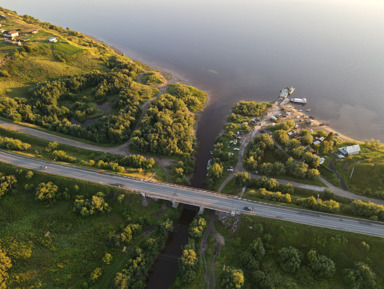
[166,265]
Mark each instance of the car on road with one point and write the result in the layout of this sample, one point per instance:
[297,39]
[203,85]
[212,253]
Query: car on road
[248,208]
[236,149]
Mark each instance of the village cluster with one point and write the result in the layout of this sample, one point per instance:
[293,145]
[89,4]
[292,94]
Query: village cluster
[14,36]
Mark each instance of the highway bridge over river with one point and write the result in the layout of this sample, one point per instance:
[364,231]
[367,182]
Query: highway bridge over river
[197,197]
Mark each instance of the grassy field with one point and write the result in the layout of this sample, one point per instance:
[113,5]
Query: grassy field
[343,248]
[363,173]
[53,247]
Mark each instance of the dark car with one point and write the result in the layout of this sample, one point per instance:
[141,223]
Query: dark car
[248,208]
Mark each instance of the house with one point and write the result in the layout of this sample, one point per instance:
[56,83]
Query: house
[52,39]
[34,31]
[11,34]
[317,142]
[350,150]
[321,161]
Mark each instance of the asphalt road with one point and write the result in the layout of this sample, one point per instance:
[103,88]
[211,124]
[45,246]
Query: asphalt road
[199,197]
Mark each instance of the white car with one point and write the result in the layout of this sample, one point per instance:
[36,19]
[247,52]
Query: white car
[236,149]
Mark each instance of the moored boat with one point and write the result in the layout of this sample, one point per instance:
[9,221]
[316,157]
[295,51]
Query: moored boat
[284,92]
[299,100]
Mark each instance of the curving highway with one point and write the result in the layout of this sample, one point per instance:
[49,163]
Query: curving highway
[197,197]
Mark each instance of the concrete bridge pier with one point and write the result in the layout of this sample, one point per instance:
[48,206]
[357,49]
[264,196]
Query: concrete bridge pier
[175,204]
[201,211]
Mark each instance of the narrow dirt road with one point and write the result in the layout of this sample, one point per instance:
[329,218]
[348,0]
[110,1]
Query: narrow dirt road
[209,270]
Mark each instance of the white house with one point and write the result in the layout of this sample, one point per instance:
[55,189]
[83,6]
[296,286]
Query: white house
[11,34]
[52,39]
[350,150]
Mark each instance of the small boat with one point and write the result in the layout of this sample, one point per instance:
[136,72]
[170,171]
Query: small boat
[284,92]
[299,100]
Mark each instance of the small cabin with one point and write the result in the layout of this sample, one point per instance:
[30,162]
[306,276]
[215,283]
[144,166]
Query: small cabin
[11,34]
[35,31]
[52,39]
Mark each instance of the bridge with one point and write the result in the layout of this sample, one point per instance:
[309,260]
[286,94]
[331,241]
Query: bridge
[197,197]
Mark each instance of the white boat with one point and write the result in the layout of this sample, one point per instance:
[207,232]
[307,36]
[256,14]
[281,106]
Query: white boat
[299,100]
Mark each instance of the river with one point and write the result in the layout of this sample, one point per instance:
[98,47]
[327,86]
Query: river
[331,51]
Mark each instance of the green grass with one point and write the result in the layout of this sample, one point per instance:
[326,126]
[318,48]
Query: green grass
[368,171]
[343,248]
[66,48]
[231,188]
[77,243]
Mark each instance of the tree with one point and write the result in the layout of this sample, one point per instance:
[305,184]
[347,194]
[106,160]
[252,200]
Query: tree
[360,277]
[46,192]
[242,179]
[327,194]
[312,174]
[306,137]
[281,136]
[257,249]
[215,171]
[197,227]
[96,274]
[320,264]
[326,147]
[107,259]
[290,259]
[232,278]
[5,265]
[261,280]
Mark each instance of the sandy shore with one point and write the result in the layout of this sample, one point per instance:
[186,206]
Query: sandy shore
[301,116]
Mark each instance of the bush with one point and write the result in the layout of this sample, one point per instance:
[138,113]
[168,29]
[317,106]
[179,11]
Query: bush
[91,206]
[320,264]
[273,196]
[232,278]
[13,144]
[61,155]
[46,192]
[290,259]
[360,277]
[197,227]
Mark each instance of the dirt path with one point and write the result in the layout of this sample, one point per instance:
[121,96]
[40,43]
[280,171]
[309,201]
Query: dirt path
[244,143]
[209,270]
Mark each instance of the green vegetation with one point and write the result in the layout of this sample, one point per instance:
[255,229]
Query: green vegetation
[225,152]
[134,165]
[275,254]
[263,155]
[59,85]
[166,129]
[194,98]
[367,167]
[190,265]
[52,244]
[152,78]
